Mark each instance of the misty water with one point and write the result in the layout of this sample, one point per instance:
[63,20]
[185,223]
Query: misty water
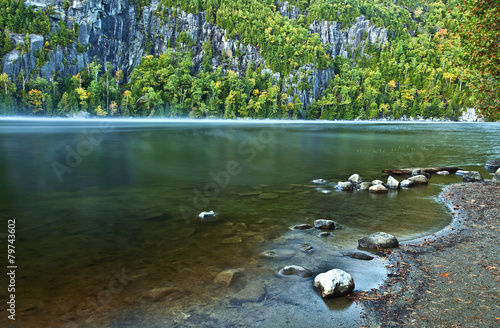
[107,226]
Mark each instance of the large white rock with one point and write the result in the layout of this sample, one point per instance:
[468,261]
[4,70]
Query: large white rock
[496,177]
[378,240]
[377,188]
[407,183]
[334,283]
[346,186]
[392,183]
[355,179]
[419,179]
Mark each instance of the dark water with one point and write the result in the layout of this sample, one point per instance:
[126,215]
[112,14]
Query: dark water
[106,211]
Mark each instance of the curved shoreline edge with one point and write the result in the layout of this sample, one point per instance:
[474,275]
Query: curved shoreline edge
[449,278]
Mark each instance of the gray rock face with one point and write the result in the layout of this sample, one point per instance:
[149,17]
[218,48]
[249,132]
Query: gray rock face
[334,283]
[295,270]
[287,10]
[496,177]
[493,164]
[355,179]
[472,176]
[378,240]
[419,179]
[392,183]
[325,224]
[378,189]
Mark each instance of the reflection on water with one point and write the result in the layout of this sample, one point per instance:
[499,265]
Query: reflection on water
[108,233]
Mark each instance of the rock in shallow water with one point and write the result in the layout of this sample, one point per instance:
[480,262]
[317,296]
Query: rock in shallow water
[378,240]
[206,215]
[334,283]
[359,255]
[493,164]
[419,179]
[226,277]
[496,177]
[364,186]
[443,173]
[355,179]
[295,270]
[301,227]
[378,188]
[269,196]
[472,176]
[325,224]
[344,186]
[392,183]
[253,292]
[407,183]
[278,254]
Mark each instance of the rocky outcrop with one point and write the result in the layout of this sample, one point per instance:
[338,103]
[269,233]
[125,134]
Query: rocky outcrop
[334,283]
[290,11]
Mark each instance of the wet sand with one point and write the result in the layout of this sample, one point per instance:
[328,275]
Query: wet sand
[448,280]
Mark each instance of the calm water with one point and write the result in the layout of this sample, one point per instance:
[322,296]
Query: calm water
[106,211]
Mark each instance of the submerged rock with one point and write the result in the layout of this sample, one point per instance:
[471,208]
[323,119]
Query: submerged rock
[324,234]
[269,196]
[334,283]
[226,277]
[301,227]
[250,193]
[419,179]
[392,183]
[232,240]
[359,255]
[157,294]
[472,176]
[278,254]
[379,188]
[319,181]
[253,292]
[355,179]
[325,224]
[378,240]
[305,247]
[295,270]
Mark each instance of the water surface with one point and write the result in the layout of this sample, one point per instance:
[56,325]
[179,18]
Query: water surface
[106,211]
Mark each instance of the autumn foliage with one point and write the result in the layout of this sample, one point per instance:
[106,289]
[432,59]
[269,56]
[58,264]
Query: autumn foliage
[480,33]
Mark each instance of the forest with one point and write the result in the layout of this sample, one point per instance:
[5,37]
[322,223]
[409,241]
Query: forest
[420,72]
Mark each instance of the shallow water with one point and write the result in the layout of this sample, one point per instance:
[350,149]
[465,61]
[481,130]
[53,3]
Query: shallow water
[106,211]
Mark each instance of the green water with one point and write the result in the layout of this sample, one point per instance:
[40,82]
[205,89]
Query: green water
[106,211]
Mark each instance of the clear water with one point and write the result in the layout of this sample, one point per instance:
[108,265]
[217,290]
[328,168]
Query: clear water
[106,211]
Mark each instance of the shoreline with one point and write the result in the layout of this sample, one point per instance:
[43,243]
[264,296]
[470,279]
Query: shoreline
[448,278]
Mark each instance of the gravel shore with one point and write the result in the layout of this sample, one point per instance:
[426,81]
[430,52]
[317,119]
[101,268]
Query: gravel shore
[451,280]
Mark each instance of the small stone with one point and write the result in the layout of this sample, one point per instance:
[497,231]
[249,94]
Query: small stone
[461,172]
[206,215]
[232,240]
[378,188]
[355,179]
[269,196]
[250,193]
[306,247]
[472,176]
[301,227]
[443,173]
[377,182]
[324,224]
[334,283]
[419,179]
[378,240]
[407,183]
[324,234]
[319,181]
[295,270]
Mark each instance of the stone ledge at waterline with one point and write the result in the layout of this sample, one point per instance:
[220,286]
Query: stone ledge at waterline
[378,240]
[334,283]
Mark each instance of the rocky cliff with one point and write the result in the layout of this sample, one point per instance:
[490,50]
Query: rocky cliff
[114,31]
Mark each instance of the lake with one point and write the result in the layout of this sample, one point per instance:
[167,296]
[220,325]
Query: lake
[107,232]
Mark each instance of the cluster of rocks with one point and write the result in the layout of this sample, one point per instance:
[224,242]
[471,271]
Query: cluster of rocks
[355,182]
[321,224]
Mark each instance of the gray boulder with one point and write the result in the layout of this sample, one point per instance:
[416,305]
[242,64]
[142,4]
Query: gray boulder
[407,183]
[472,176]
[295,270]
[392,183]
[355,179]
[378,188]
[419,179]
[345,186]
[325,224]
[378,240]
[493,164]
[416,172]
[496,177]
[334,283]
